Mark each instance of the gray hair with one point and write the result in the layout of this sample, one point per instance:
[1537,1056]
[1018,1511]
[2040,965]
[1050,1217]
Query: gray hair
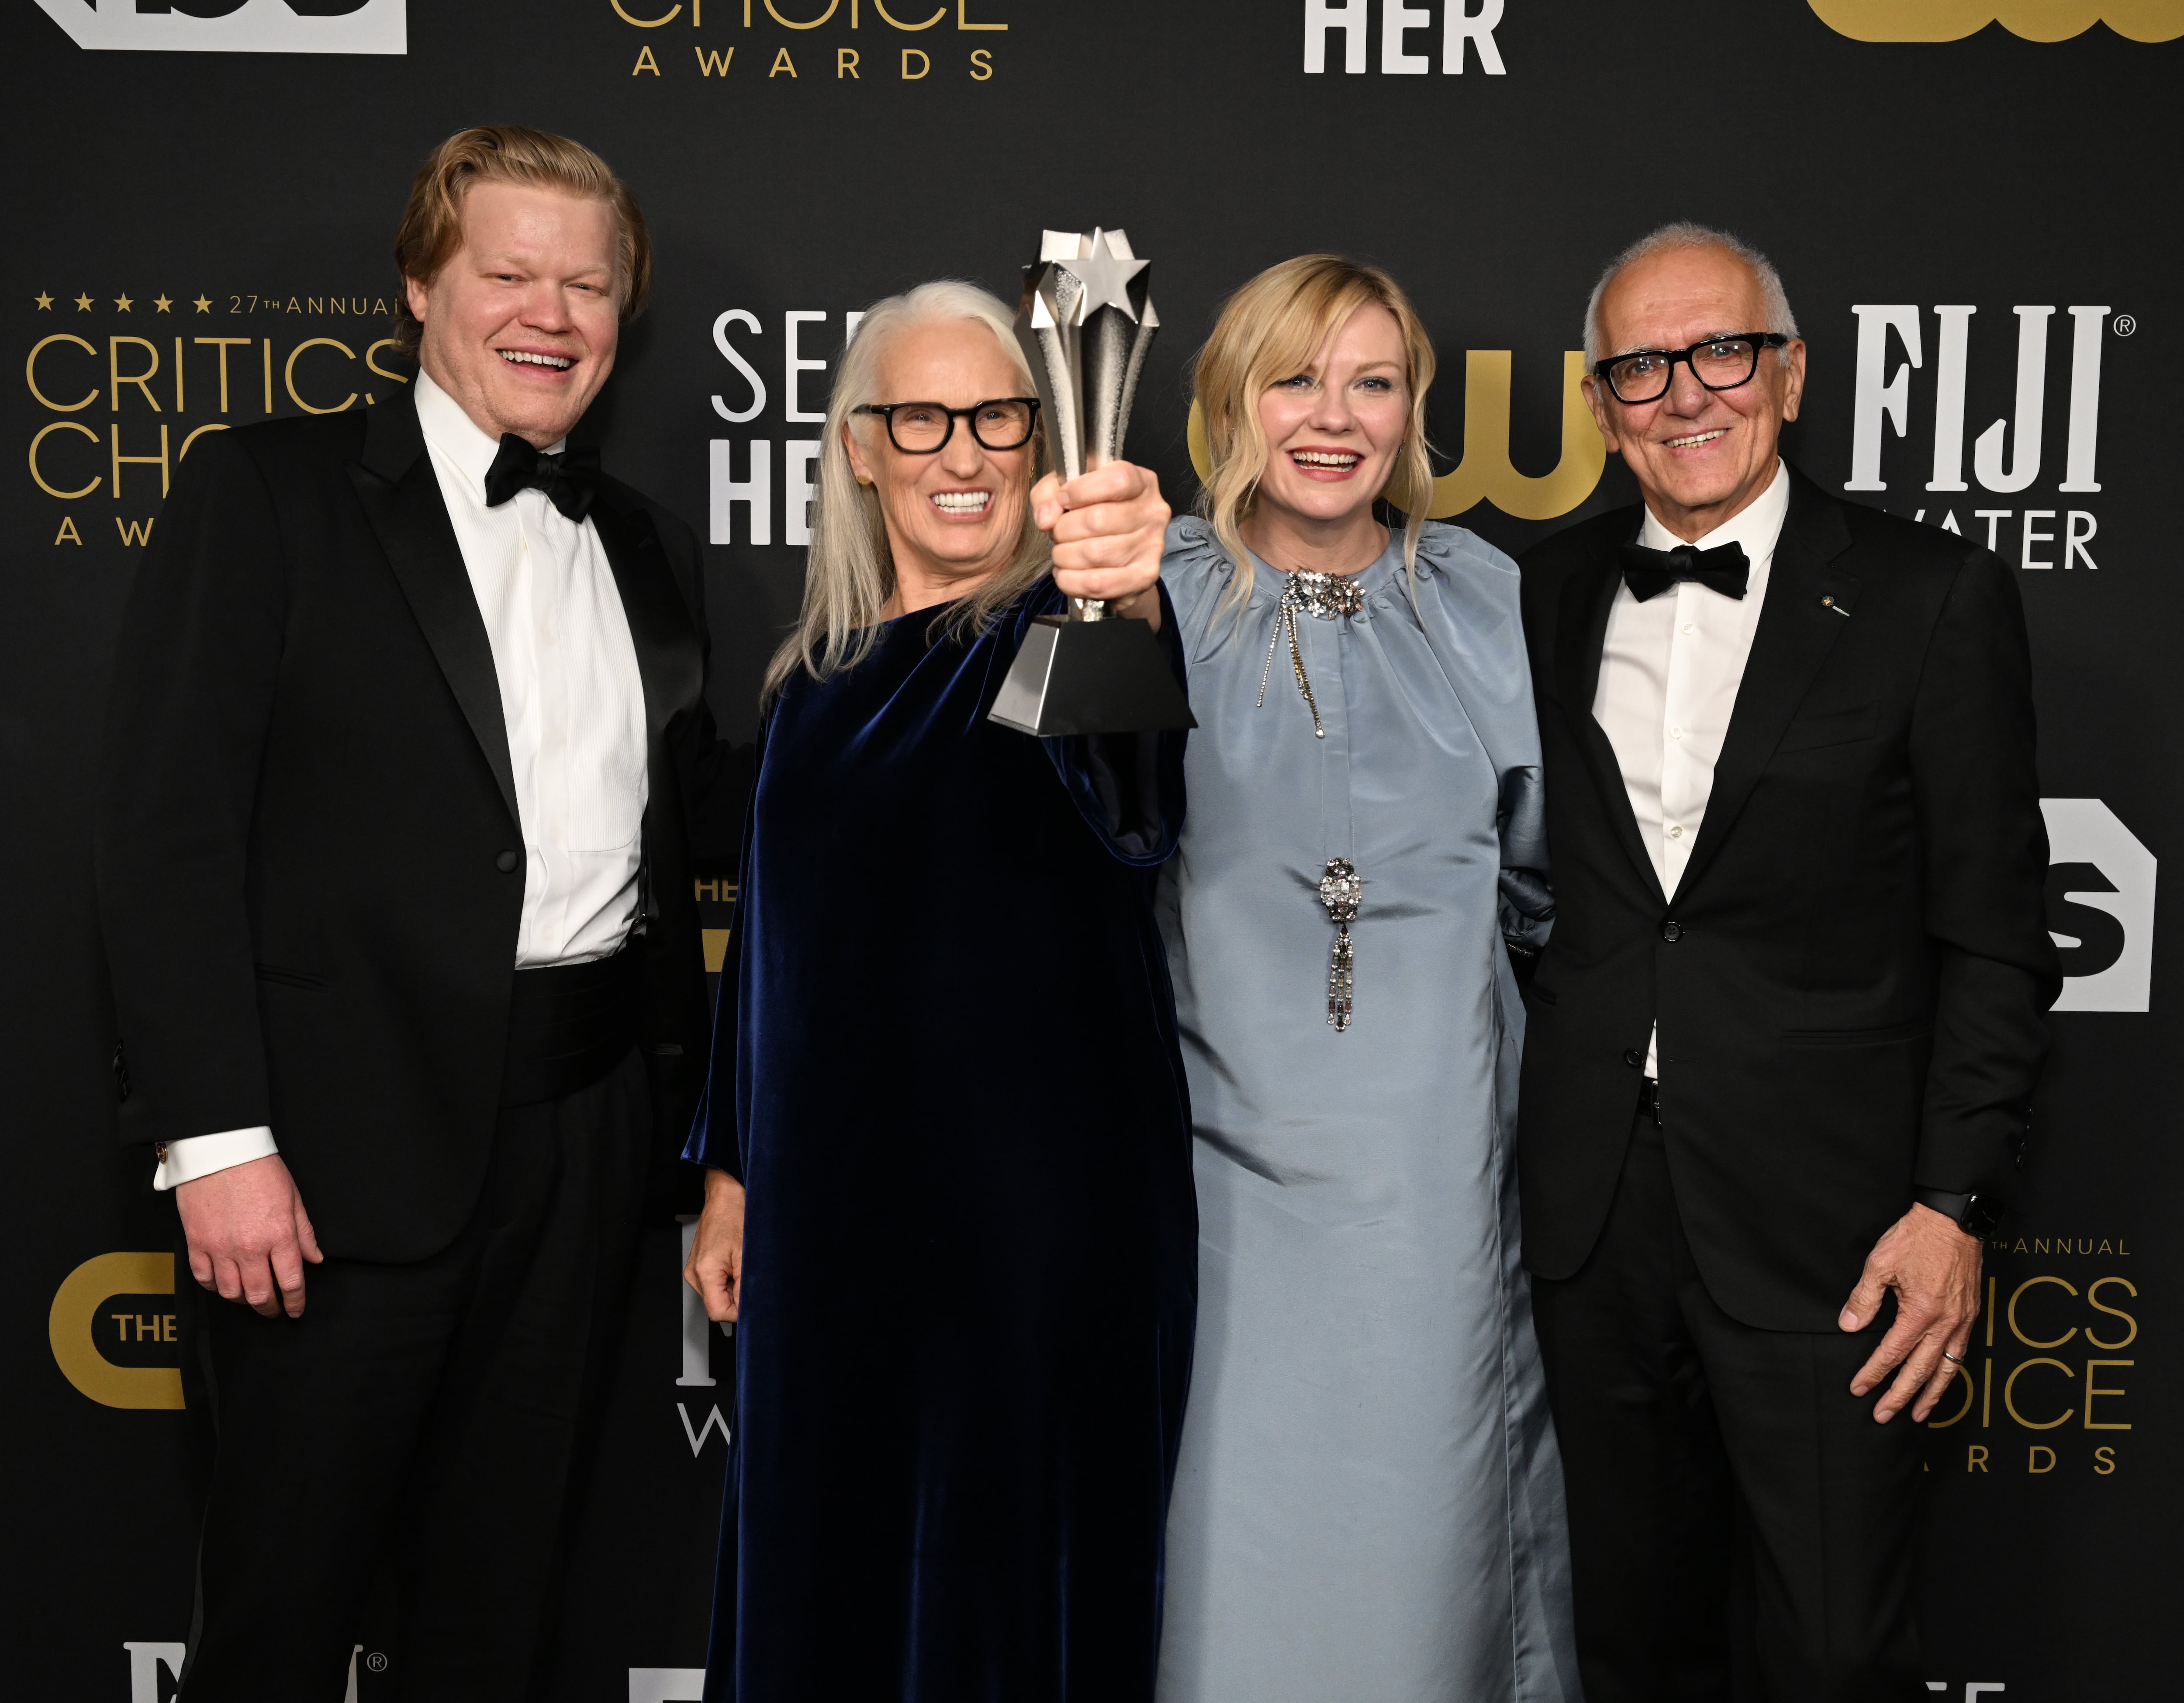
[849,573]
[1774,300]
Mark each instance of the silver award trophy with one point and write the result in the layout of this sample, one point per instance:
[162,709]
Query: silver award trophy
[1085,324]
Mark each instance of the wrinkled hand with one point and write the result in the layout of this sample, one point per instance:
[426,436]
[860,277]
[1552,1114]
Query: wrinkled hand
[249,1236]
[1109,528]
[1934,1267]
[716,1266]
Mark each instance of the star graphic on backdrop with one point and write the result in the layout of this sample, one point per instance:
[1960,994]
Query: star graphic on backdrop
[121,302]
[1105,277]
[162,303]
[83,305]
[45,301]
[203,305]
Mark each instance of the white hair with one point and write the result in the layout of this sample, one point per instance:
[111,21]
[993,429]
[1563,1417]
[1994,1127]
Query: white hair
[849,573]
[1774,300]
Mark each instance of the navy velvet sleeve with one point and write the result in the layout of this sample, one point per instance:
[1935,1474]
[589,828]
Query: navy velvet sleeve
[1128,786]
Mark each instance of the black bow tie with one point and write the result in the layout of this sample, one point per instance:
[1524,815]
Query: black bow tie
[569,480]
[1649,572]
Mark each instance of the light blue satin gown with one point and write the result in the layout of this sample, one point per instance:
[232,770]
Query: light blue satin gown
[1369,1505]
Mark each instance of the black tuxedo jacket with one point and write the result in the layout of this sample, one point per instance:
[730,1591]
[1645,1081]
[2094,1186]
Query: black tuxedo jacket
[1851,978]
[310,871]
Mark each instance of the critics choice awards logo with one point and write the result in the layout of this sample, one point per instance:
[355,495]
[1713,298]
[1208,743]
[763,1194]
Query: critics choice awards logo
[788,43]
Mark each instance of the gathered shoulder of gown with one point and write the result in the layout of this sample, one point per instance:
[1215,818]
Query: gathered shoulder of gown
[1369,1505]
[945,1069]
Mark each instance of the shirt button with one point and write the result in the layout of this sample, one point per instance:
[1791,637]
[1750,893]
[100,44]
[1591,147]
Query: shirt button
[1676,830]
[1634,1059]
[1690,627]
[1672,931]
[1676,733]
[506,862]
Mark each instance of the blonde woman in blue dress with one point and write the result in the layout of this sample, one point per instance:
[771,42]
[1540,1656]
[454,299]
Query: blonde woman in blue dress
[1368,1507]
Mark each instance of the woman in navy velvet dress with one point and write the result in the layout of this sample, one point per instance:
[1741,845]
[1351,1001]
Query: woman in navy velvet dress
[945,1072]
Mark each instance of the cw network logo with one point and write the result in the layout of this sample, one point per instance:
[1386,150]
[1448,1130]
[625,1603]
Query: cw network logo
[234,27]
[1459,25]
[2035,21]
[2007,456]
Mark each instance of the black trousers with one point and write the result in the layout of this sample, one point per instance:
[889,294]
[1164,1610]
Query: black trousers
[1727,1493]
[428,1420]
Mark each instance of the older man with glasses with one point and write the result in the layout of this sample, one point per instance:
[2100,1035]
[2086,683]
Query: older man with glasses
[1783,1038]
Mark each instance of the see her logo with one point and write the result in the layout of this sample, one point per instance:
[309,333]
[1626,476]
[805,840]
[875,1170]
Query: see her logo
[234,27]
[2035,21]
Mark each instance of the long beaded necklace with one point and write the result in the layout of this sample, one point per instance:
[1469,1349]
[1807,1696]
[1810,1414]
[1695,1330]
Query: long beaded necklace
[1323,596]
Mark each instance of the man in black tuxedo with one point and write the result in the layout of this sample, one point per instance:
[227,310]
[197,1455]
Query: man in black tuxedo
[1798,869]
[408,761]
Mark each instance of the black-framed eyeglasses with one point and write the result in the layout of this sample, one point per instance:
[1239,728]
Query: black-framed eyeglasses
[924,428]
[1721,363]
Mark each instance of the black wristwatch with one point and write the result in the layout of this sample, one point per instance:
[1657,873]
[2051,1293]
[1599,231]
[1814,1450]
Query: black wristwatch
[1973,1214]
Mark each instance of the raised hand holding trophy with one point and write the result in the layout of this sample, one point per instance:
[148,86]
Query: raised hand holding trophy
[1085,323]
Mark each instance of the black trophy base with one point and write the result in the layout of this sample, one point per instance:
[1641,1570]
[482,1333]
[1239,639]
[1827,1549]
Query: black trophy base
[1090,677]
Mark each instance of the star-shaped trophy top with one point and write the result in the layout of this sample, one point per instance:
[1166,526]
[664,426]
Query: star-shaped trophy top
[1101,262]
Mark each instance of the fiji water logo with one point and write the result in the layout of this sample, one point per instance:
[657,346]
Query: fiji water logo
[1940,380]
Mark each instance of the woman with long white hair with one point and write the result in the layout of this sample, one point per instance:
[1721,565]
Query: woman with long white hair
[949,1196]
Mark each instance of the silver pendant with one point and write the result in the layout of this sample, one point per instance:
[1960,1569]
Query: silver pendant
[1341,891]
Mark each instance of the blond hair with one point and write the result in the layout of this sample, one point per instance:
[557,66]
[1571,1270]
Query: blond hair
[849,573]
[432,228]
[1270,330]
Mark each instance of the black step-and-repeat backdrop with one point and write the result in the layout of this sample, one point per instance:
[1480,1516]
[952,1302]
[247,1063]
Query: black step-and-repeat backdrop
[1973,202]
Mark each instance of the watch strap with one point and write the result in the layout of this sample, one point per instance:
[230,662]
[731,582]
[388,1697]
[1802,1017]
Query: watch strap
[1973,1212]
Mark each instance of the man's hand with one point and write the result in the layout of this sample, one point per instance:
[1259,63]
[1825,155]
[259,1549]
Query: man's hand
[1109,529]
[249,1236]
[1934,1267]
[716,1266]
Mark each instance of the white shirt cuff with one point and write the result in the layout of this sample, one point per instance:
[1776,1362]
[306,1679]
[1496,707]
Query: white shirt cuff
[197,1156]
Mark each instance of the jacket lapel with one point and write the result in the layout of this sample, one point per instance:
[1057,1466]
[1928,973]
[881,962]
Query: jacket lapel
[671,653]
[401,496]
[670,661]
[1581,632]
[1808,603]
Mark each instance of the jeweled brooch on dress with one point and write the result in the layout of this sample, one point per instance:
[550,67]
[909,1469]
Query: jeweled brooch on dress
[1341,891]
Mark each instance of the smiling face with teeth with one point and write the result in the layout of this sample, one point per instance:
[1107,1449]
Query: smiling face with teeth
[1700,456]
[1333,432]
[521,324]
[955,517]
